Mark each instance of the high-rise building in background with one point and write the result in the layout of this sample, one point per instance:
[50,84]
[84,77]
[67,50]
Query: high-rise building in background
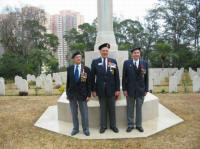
[58,25]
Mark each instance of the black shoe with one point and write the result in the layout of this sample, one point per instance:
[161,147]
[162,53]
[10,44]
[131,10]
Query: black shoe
[87,133]
[140,129]
[129,129]
[114,129]
[102,130]
[74,132]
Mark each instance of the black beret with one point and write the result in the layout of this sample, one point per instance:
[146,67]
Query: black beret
[137,48]
[104,45]
[75,53]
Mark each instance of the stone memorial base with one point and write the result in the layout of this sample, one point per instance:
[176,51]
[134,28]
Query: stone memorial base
[156,118]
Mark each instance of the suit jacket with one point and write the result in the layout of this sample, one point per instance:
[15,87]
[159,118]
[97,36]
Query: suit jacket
[135,80]
[81,89]
[108,80]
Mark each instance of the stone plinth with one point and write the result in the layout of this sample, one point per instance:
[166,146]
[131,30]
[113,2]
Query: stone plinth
[165,119]
[150,110]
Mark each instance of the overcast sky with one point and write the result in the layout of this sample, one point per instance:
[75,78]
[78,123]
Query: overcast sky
[133,9]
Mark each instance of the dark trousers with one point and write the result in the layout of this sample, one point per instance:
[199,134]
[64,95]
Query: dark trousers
[107,105]
[74,103]
[130,110]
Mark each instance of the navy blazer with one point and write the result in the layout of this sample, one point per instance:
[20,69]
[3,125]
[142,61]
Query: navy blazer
[81,89]
[101,79]
[135,80]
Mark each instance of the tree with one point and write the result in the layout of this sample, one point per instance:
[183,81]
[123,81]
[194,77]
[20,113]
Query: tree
[23,33]
[132,32]
[12,64]
[8,36]
[175,17]
[52,65]
[82,40]
[33,36]
[51,42]
[152,32]
[164,54]
[194,25]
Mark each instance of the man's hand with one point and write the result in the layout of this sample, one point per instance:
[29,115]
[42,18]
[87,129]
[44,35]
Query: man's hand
[125,93]
[145,93]
[88,99]
[117,93]
[94,94]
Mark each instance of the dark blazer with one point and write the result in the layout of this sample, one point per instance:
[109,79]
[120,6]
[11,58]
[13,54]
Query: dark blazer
[102,81]
[80,90]
[135,80]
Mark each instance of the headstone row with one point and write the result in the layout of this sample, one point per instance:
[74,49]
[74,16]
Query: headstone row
[31,78]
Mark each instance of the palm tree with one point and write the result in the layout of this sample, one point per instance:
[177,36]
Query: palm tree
[164,52]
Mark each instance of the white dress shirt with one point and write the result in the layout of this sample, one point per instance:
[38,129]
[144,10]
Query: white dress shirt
[106,61]
[137,62]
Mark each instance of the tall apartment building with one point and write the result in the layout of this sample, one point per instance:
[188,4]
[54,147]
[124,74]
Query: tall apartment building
[59,24]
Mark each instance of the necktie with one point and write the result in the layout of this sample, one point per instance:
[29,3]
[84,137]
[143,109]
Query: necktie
[135,65]
[104,64]
[76,74]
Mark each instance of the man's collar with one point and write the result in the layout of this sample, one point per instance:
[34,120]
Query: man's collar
[136,60]
[78,64]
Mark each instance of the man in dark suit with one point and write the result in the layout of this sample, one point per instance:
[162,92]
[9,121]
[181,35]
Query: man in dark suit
[78,91]
[135,87]
[105,85]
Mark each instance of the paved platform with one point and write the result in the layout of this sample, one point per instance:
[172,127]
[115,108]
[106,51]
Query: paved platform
[165,119]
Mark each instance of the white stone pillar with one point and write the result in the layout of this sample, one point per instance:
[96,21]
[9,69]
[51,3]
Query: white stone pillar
[105,32]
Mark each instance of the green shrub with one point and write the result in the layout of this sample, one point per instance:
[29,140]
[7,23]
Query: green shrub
[163,91]
[186,81]
[61,89]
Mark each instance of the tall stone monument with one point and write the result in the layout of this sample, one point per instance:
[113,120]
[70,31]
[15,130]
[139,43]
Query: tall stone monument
[105,25]
[105,34]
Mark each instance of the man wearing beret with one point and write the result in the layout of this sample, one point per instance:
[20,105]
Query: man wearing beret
[78,91]
[105,85]
[135,87]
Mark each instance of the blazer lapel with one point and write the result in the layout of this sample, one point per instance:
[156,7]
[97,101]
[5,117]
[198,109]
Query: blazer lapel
[79,80]
[100,66]
[139,66]
[72,72]
[131,65]
[108,68]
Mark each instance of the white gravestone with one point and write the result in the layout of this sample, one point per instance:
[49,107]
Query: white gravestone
[48,86]
[23,86]
[38,82]
[2,87]
[58,80]
[172,84]
[18,81]
[196,84]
